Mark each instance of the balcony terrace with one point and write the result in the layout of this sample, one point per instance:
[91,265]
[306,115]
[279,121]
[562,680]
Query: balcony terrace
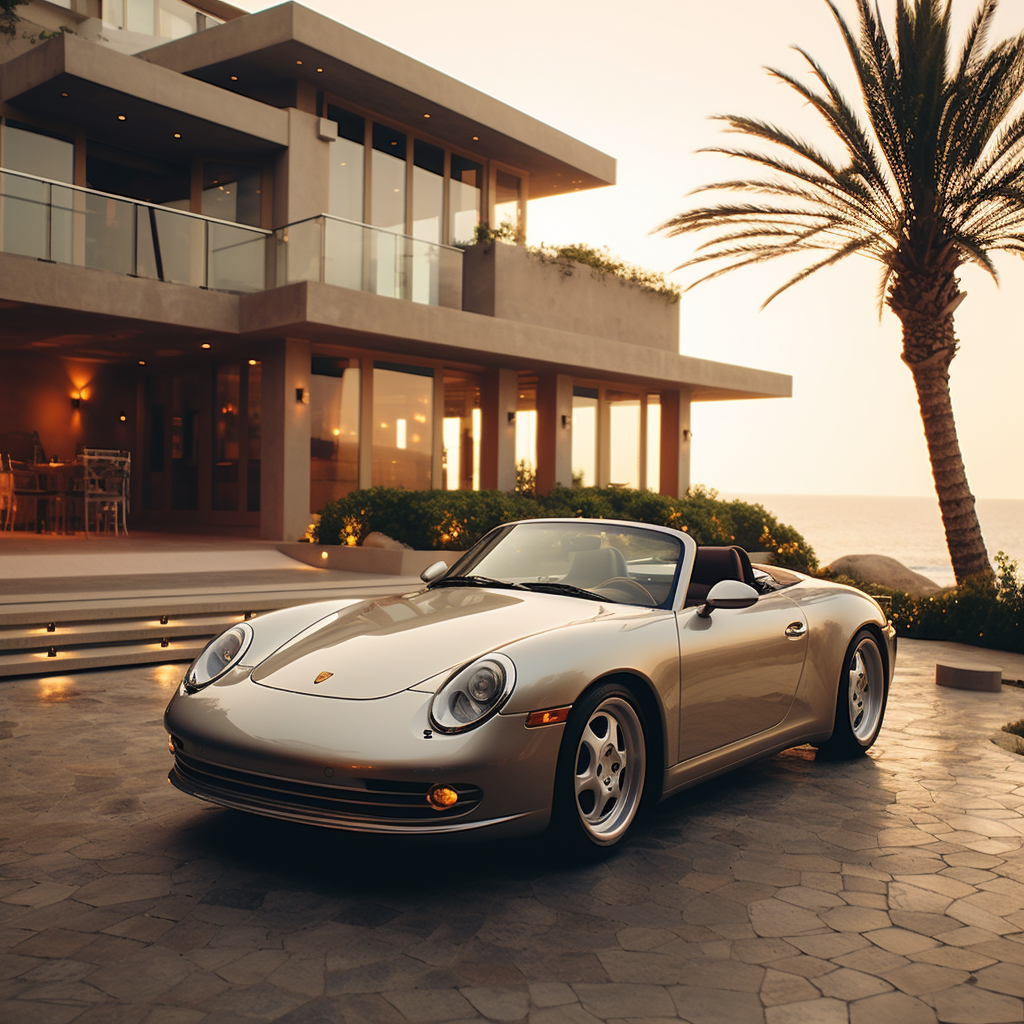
[61,223]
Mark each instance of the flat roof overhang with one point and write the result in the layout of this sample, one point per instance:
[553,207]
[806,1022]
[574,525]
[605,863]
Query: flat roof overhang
[291,42]
[70,80]
[328,315]
[76,312]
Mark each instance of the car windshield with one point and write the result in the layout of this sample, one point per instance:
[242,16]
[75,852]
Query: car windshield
[602,561]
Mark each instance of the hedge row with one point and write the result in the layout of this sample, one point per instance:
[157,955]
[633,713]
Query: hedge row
[977,612]
[454,520]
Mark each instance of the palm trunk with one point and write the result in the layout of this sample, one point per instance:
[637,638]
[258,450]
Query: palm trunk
[925,302]
[956,503]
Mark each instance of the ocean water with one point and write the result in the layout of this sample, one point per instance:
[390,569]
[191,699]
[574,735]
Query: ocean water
[907,529]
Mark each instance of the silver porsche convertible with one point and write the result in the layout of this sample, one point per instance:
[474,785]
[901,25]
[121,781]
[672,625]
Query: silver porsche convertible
[562,675]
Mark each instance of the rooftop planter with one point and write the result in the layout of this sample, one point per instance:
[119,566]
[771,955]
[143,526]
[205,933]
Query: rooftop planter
[541,287]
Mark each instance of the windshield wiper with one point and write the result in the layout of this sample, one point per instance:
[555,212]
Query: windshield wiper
[564,588]
[475,581]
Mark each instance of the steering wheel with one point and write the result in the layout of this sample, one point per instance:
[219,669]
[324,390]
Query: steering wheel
[629,587]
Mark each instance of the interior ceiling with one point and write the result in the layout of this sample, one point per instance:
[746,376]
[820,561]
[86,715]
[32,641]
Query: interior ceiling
[94,109]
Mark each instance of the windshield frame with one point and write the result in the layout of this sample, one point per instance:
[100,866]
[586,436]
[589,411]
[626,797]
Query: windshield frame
[677,578]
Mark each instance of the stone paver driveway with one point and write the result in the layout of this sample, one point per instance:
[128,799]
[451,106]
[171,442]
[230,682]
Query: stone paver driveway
[791,892]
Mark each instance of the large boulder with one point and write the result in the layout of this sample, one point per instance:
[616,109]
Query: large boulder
[886,572]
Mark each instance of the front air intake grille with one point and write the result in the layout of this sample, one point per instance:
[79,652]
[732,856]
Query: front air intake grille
[355,801]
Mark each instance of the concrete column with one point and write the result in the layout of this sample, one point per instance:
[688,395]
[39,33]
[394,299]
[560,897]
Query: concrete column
[675,443]
[554,431]
[604,439]
[499,395]
[302,172]
[284,475]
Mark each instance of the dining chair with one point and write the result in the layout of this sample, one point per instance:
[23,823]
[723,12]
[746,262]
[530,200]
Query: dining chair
[106,488]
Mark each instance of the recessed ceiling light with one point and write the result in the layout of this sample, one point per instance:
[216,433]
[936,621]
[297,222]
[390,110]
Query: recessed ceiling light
[64,94]
[426,115]
[177,135]
[298,62]
[234,78]
[319,71]
[476,138]
[121,117]
[205,344]
[142,362]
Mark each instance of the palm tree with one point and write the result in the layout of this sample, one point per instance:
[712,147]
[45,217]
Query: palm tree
[931,177]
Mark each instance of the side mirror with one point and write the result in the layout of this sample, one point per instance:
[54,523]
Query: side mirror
[727,594]
[434,571]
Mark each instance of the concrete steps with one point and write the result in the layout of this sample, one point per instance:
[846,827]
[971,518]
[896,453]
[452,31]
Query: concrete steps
[119,625]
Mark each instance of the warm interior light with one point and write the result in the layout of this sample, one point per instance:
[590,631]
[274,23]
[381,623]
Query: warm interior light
[426,115]
[323,555]
[299,62]
[142,362]
[476,138]
[76,401]
[205,344]
[177,135]
[319,71]
[121,117]
[336,432]
[254,362]
[234,78]
[442,797]
[122,417]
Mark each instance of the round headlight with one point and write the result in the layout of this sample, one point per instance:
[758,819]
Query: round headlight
[218,656]
[473,694]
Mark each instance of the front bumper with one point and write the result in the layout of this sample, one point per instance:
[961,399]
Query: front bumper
[359,765]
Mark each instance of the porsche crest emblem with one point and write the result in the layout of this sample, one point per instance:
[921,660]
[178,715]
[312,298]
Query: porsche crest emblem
[323,677]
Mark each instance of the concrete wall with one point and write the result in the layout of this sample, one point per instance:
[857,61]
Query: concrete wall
[505,281]
[36,393]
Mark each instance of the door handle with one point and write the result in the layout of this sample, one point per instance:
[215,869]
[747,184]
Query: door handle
[796,630]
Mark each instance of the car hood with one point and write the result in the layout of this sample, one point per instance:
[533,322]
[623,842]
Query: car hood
[377,648]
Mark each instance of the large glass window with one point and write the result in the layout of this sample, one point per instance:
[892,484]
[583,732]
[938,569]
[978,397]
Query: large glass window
[228,401]
[387,210]
[460,464]
[233,192]
[334,433]
[584,437]
[345,184]
[526,433]
[427,221]
[464,198]
[624,462]
[507,201]
[653,481]
[31,227]
[403,411]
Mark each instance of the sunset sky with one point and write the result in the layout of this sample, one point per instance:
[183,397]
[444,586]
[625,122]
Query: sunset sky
[639,81]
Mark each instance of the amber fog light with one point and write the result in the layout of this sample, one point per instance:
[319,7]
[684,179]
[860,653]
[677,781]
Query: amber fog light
[442,797]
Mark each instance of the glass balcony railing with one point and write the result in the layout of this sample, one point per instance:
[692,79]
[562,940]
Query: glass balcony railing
[50,220]
[352,255]
[67,224]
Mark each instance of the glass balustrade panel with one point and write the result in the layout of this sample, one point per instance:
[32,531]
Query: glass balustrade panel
[344,253]
[170,247]
[109,234]
[235,258]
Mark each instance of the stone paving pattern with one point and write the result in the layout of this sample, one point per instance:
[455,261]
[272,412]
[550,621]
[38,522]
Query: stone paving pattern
[790,892]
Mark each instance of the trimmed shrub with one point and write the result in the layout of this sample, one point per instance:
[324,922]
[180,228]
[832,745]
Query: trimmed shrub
[978,612]
[455,520]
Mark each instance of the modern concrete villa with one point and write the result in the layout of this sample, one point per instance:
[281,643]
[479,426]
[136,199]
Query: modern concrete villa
[237,246]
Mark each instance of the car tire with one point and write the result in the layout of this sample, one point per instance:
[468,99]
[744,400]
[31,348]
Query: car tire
[860,701]
[602,772]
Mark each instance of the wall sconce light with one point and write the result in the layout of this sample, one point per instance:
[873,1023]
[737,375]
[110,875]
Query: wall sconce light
[565,422]
[76,402]
[51,627]
[302,396]
[122,416]
[687,434]
[511,417]
[52,652]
